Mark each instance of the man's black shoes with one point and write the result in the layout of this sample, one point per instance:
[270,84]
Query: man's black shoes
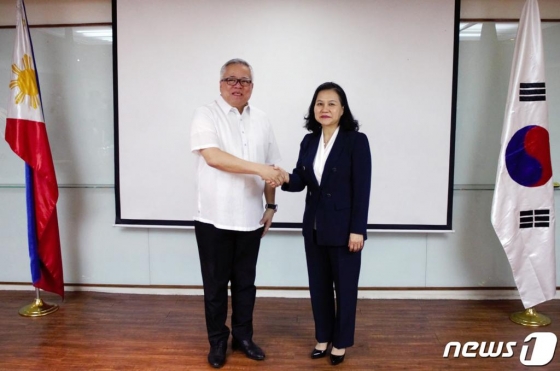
[217,354]
[250,349]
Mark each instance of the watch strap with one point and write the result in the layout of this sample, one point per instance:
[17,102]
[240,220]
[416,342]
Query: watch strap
[271,206]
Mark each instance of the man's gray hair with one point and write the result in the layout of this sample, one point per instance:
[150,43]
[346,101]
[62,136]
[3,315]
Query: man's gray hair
[235,61]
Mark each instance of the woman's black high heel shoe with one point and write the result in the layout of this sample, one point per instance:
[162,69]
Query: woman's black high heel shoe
[316,353]
[335,360]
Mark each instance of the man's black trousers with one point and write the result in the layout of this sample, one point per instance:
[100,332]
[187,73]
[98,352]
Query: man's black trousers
[228,256]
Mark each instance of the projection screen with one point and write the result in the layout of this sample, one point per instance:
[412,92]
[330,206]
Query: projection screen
[396,60]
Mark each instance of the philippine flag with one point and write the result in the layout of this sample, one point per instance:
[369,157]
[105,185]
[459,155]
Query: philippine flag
[523,206]
[27,136]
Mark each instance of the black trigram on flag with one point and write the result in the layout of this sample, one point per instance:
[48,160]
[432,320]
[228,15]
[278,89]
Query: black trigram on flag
[529,92]
[534,218]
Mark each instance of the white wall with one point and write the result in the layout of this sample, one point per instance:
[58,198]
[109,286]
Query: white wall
[42,12]
[97,253]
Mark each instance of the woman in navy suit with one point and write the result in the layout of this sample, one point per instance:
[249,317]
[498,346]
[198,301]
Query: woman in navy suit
[334,164]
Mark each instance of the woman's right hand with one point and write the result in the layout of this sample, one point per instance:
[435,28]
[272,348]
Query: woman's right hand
[279,176]
[272,175]
[285,174]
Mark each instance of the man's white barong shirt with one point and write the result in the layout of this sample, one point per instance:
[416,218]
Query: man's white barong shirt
[228,200]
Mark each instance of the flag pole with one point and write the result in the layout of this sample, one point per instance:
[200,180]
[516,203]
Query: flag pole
[530,317]
[38,308]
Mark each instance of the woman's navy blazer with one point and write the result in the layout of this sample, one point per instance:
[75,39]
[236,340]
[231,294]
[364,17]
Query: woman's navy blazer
[339,205]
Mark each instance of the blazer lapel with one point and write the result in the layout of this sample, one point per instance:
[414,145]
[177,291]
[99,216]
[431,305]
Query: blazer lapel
[310,157]
[336,150]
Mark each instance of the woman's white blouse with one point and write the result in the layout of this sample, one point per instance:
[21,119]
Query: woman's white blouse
[322,155]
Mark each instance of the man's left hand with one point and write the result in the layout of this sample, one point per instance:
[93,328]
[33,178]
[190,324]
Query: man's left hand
[267,220]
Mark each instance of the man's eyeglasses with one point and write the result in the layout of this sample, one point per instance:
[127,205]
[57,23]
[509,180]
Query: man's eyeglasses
[232,81]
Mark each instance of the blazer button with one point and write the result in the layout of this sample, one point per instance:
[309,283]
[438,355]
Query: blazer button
[310,193]
[334,169]
[328,195]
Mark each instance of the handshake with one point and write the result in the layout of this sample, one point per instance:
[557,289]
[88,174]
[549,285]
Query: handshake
[274,176]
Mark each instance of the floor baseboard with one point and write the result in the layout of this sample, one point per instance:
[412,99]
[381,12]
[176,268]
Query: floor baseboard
[366,293]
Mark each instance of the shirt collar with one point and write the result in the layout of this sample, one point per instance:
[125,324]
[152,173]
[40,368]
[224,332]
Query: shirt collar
[333,137]
[227,108]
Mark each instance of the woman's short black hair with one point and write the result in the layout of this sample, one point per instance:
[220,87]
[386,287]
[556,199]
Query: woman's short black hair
[347,121]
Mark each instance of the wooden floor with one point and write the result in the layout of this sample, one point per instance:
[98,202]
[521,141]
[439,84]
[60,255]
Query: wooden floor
[99,331]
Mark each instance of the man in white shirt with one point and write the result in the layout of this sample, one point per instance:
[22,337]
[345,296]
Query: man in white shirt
[235,147]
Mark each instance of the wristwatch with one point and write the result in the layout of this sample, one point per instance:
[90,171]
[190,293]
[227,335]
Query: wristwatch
[271,206]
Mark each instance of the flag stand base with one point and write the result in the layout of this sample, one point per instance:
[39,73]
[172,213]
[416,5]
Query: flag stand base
[37,309]
[530,317]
